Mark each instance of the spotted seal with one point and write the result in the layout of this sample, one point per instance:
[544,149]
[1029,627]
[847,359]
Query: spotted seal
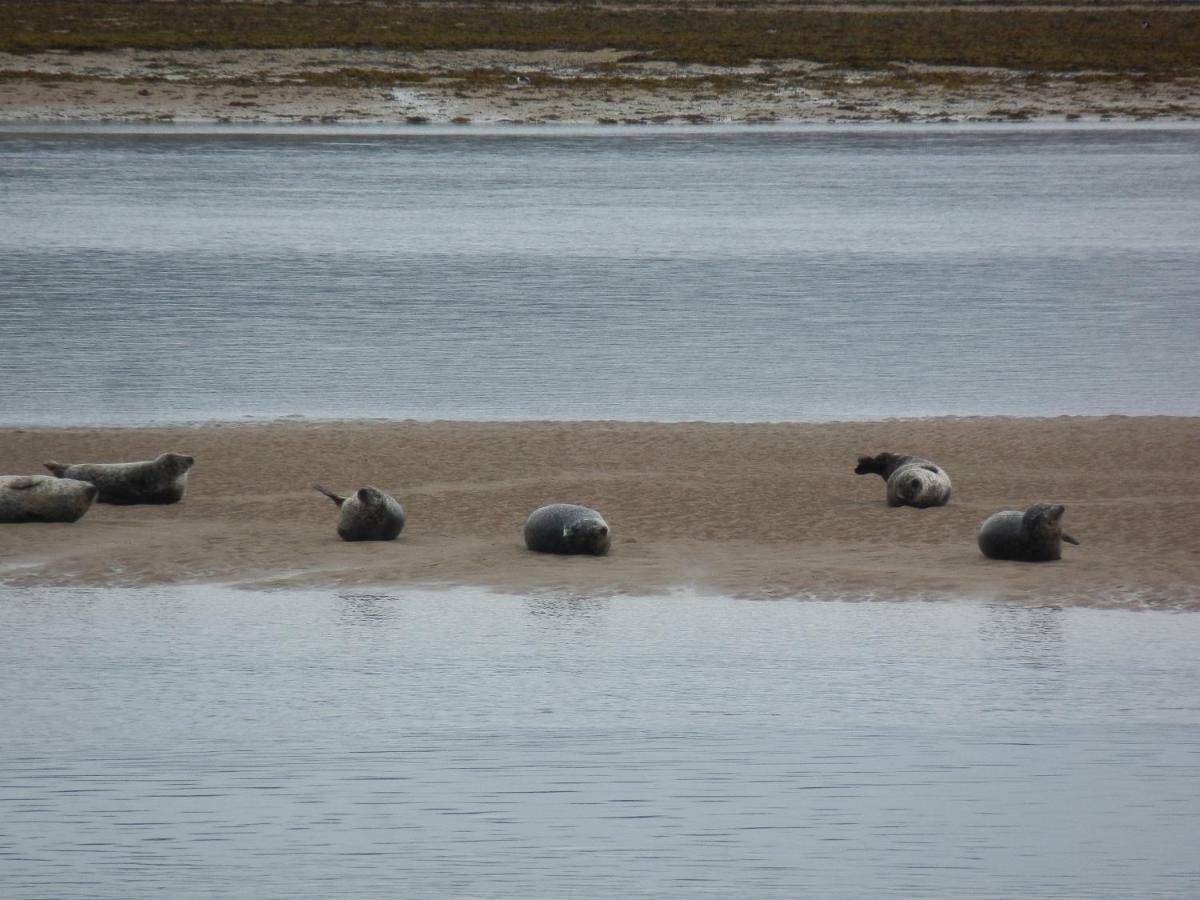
[41,498]
[1034,535]
[367,515]
[911,480]
[567,528]
[159,480]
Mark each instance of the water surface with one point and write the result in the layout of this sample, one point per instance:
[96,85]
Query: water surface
[200,741]
[746,274]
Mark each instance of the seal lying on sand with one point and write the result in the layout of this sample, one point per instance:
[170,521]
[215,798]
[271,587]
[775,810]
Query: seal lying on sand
[911,480]
[160,480]
[367,515]
[567,528]
[40,498]
[1035,535]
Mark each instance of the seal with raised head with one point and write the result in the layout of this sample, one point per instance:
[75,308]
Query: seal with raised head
[567,528]
[367,515]
[1034,535]
[41,498]
[911,480]
[159,480]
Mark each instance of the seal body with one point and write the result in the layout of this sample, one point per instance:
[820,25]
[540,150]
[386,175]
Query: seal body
[911,480]
[1034,535]
[42,498]
[367,515]
[567,528]
[160,480]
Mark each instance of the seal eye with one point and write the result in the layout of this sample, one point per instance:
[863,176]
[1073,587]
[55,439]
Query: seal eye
[603,530]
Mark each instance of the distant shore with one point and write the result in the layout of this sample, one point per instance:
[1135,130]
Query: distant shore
[548,87]
[763,511]
[351,61]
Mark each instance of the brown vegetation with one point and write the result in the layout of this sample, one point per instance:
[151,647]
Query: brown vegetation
[1160,41]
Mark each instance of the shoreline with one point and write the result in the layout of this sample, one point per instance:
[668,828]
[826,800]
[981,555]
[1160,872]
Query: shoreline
[766,510]
[516,88]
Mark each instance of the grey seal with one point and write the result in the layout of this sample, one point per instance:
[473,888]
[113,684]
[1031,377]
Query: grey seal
[567,528]
[41,498]
[1034,535]
[160,480]
[911,480]
[367,515]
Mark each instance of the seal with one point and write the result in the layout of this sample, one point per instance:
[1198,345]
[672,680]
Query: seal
[911,480]
[1034,535]
[567,528]
[160,480]
[41,498]
[367,515]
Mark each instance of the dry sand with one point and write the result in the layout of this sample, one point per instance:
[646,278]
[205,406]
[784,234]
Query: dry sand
[259,86]
[764,511]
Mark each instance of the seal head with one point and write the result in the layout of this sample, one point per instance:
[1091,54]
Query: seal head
[567,528]
[160,480]
[1034,535]
[41,498]
[367,515]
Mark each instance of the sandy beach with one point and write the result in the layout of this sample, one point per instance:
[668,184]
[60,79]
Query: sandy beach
[750,510]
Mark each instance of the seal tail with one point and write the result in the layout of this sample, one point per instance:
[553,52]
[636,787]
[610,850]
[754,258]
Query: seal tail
[1070,540]
[330,494]
[56,468]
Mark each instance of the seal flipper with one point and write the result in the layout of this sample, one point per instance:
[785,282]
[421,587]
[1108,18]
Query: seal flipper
[56,468]
[1070,540]
[330,494]
[23,484]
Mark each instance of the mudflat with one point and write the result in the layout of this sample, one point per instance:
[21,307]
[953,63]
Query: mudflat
[355,61]
[750,510]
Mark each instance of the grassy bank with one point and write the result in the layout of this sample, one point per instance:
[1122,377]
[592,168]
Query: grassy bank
[1158,42]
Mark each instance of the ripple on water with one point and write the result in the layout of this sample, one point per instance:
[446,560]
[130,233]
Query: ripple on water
[212,741]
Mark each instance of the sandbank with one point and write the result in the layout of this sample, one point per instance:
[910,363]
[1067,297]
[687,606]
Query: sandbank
[749,510]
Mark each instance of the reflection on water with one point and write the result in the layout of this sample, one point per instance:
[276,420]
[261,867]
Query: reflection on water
[428,744]
[631,274]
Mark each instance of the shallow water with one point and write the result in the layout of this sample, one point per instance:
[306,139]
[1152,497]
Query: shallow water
[206,741]
[744,274]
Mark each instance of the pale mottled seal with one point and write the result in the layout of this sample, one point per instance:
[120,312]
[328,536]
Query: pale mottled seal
[367,515]
[567,528]
[160,480]
[40,498]
[1034,535]
[911,480]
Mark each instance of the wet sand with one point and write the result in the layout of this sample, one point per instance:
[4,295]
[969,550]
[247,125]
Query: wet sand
[752,510]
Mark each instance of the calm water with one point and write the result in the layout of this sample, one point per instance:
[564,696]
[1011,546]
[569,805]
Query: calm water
[203,741]
[176,275]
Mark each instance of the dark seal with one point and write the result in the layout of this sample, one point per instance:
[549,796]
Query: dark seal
[40,498]
[367,515]
[1034,535]
[911,480]
[567,528]
[160,480]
